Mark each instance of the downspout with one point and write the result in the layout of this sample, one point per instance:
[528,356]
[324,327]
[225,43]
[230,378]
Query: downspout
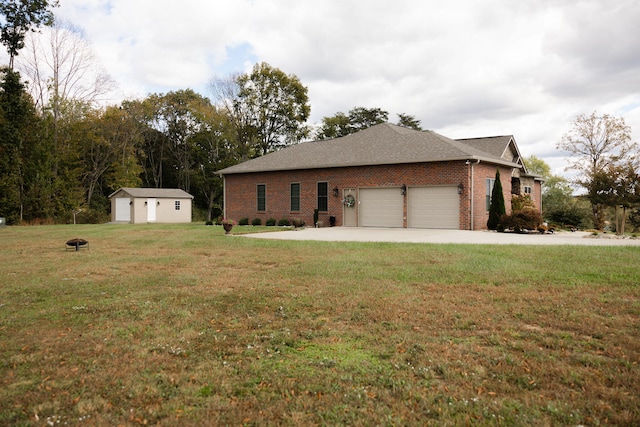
[224,196]
[472,192]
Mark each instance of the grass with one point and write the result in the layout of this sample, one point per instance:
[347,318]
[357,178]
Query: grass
[182,325]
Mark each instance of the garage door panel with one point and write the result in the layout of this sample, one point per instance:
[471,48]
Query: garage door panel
[434,207]
[381,207]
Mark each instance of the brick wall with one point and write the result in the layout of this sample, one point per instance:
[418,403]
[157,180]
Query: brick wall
[482,172]
[241,189]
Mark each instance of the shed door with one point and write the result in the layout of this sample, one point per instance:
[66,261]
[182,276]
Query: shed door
[123,209]
[381,207]
[433,207]
[151,210]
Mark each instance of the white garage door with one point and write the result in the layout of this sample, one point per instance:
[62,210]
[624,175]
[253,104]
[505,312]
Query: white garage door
[123,209]
[381,207]
[433,207]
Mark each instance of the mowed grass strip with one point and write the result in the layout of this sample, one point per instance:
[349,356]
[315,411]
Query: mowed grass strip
[182,325]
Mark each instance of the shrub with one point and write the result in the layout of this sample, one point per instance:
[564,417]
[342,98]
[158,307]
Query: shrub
[527,219]
[243,221]
[89,216]
[284,222]
[208,223]
[521,202]
[570,216]
[256,222]
[270,222]
[297,222]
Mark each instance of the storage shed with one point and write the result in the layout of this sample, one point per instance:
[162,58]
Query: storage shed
[149,205]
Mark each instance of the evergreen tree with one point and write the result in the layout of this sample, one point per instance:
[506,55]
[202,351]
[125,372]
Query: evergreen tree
[496,208]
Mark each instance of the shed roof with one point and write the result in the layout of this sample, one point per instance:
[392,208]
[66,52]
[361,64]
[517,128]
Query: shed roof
[158,193]
[378,145]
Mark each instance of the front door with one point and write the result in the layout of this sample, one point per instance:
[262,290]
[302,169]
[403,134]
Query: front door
[350,212]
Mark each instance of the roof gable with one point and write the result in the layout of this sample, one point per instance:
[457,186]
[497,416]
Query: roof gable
[503,146]
[378,145]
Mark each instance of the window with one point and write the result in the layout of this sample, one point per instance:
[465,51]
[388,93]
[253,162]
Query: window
[177,205]
[262,197]
[323,198]
[489,185]
[295,197]
[527,189]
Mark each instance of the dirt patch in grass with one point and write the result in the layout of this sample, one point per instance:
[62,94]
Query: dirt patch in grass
[182,325]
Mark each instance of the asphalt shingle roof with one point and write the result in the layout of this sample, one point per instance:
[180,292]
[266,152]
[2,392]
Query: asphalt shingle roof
[158,193]
[378,145]
[494,145]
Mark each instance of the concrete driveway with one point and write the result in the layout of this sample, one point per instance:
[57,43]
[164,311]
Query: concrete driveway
[412,235]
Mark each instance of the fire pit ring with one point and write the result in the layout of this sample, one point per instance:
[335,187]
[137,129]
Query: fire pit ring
[76,244]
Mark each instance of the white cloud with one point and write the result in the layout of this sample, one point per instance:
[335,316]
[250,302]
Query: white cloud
[465,68]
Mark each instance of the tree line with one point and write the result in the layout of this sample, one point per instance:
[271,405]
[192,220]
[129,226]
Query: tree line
[68,155]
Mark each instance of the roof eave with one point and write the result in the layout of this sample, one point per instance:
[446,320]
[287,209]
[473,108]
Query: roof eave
[348,165]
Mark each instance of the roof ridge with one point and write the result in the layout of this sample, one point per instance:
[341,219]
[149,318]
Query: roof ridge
[484,137]
[384,143]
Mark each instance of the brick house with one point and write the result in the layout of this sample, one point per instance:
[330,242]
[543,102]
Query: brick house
[383,176]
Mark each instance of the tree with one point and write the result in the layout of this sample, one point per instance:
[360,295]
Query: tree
[276,107]
[108,150]
[334,127]
[358,118]
[179,116]
[21,16]
[225,92]
[496,207]
[61,66]
[266,108]
[213,150]
[405,120]
[537,166]
[18,133]
[361,118]
[65,81]
[558,202]
[618,186]
[152,151]
[594,142]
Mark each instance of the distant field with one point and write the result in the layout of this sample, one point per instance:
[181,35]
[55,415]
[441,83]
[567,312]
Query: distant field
[182,325]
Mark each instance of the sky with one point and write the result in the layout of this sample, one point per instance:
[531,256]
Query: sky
[464,68]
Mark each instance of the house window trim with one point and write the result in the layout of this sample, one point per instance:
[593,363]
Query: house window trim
[293,198]
[489,183]
[264,198]
[176,205]
[324,197]
[527,189]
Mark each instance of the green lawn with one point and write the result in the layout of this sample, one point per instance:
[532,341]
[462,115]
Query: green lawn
[182,325]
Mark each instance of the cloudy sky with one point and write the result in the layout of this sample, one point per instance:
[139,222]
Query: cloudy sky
[465,68]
